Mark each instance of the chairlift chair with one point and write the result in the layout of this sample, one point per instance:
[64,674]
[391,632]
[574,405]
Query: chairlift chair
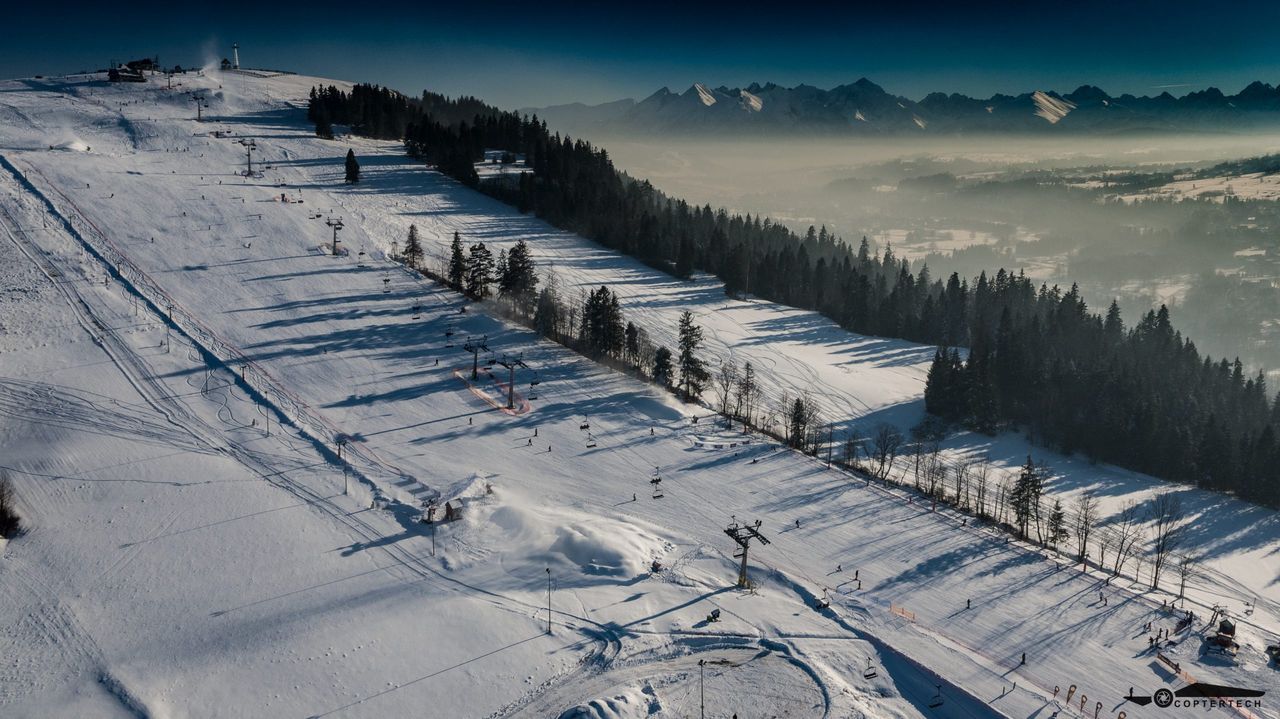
[386,285]
[591,442]
[657,487]
[360,259]
[870,672]
[417,311]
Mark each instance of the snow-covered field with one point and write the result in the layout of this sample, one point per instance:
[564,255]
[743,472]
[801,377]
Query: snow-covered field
[190,555]
[1250,186]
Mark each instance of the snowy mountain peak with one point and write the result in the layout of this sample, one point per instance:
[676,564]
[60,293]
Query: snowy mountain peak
[806,108]
[1051,108]
[706,96]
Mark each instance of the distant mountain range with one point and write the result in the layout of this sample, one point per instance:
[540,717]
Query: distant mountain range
[865,108]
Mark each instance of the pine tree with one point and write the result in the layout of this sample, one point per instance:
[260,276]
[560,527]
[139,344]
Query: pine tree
[324,128]
[983,409]
[737,267]
[457,263]
[693,371]
[662,367]
[797,424]
[632,347]
[479,270]
[517,277]
[412,255]
[1113,327]
[500,269]
[937,386]
[1057,523]
[685,258]
[602,333]
[1024,497]
[546,315]
[353,167]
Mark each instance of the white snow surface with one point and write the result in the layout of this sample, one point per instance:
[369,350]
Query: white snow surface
[707,97]
[750,102]
[1052,109]
[180,353]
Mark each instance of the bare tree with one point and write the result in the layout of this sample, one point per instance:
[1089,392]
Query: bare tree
[645,350]
[983,468]
[1166,518]
[1104,545]
[917,462]
[1002,496]
[1086,516]
[963,472]
[726,381]
[745,393]
[885,444]
[853,442]
[783,411]
[935,472]
[813,424]
[752,393]
[1127,532]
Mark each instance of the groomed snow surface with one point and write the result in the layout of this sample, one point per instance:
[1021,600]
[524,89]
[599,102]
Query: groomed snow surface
[180,352]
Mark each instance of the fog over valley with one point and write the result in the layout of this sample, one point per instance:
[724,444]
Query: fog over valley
[1144,219]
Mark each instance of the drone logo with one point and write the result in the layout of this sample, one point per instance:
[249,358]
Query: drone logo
[1200,695]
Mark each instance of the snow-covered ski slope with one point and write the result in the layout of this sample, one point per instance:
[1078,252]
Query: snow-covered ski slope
[190,556]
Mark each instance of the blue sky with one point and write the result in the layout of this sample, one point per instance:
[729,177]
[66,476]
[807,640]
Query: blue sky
[539,53]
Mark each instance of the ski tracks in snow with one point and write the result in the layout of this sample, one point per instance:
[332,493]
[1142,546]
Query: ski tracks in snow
[263,464]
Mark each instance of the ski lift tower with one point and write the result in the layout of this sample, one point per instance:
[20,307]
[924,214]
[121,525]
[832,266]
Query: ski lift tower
[743,534]
[235,56]
[511,363]
[200,105]
[249,147]
[476,345]
[336,224]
